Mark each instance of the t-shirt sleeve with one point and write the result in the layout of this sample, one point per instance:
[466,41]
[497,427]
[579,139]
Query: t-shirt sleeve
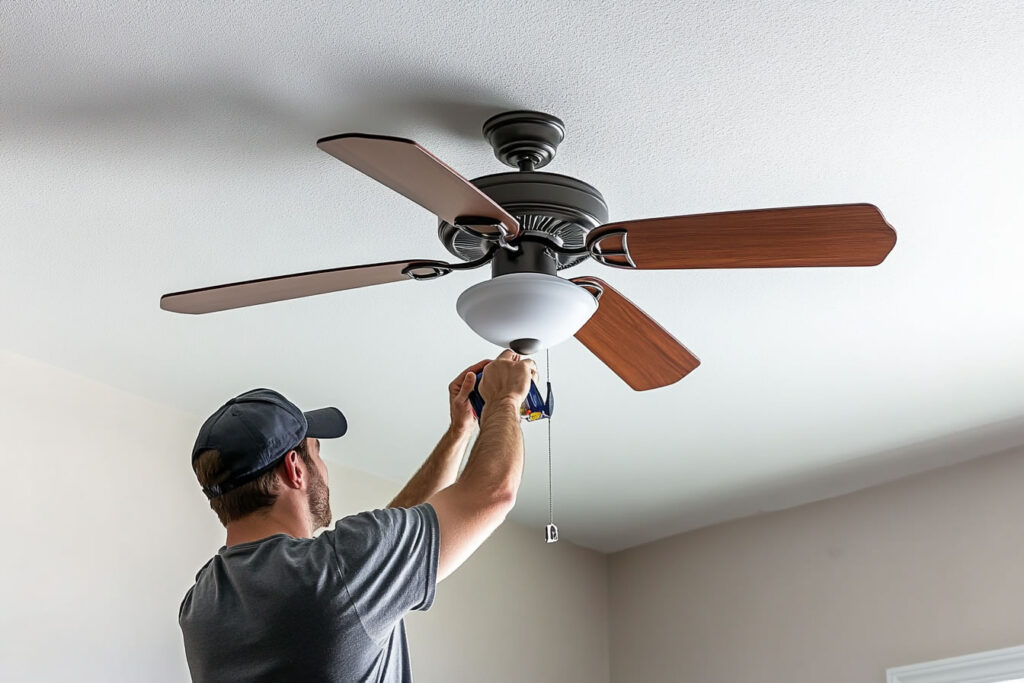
[388,561]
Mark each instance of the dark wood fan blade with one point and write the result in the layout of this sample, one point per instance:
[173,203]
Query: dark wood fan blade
[835,235]
[628,341]
[414,172]
[266,290]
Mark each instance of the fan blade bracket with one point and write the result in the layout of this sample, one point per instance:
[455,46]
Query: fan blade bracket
[616,256]
[426,270]
[497,232]
[472,225]
[591,285]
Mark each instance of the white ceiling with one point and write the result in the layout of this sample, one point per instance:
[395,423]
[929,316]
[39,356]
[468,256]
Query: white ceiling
[149,148]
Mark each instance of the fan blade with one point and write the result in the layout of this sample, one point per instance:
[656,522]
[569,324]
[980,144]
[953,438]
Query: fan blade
[414,172]
[836,235]
[266,290]
[628,341]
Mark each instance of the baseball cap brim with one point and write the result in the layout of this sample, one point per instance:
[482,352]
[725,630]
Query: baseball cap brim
[325,423]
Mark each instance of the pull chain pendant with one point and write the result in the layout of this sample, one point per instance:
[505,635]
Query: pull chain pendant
[550,531]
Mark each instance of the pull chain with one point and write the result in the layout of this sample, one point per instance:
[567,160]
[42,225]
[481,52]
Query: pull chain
[551,531]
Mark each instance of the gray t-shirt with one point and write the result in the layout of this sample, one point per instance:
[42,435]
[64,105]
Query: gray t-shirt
[328,608]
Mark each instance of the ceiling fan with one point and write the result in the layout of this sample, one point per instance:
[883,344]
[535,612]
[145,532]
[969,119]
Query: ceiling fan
[529,225]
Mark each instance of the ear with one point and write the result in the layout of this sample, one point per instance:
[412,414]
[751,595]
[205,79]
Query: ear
[292,471]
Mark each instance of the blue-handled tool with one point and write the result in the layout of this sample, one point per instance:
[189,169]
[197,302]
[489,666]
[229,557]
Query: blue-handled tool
[534,406]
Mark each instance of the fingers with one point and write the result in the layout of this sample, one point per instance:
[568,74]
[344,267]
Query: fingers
[474,368]
[510,355]
[509,374]
[477,367]
[468,382]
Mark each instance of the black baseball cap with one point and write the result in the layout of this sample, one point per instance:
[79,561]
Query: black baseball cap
[255,430]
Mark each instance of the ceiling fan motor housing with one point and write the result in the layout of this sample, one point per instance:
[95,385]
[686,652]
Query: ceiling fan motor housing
[544,203]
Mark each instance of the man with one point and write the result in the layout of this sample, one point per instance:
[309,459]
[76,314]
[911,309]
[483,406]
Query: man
[276,604]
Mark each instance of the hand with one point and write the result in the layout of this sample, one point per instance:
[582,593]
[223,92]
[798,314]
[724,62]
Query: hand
[463,419]
[507,376]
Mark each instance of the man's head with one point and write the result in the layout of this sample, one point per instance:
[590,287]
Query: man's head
[301,471]
[258,448]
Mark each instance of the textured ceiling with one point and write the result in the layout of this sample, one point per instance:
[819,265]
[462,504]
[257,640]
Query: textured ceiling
[149,148]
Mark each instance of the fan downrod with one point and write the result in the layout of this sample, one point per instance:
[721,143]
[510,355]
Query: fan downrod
[526,140]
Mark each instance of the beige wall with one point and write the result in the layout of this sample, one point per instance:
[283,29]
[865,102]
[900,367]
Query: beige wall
[919,569]
[105,527]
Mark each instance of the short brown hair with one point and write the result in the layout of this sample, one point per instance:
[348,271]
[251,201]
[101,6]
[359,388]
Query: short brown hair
[251,496]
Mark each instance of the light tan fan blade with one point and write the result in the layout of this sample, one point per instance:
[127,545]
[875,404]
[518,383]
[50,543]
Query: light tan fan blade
[628,341]
[414,172]
[266,290]
[836,235]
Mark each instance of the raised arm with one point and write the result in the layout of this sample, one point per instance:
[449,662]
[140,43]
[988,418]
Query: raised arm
[442,465]
[469,510]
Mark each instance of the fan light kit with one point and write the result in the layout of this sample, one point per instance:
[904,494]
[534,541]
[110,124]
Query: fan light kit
[526,312]
[528,225]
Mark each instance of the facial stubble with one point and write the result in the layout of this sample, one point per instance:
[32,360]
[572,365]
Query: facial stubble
[319,500]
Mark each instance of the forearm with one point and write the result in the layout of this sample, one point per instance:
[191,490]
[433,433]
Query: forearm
[438,471]
[496,462]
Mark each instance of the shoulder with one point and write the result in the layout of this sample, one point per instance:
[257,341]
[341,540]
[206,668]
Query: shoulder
[362,533]
[186,602]
[386,520]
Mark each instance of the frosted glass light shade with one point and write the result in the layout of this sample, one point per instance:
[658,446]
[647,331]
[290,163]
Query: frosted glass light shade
[526,312]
